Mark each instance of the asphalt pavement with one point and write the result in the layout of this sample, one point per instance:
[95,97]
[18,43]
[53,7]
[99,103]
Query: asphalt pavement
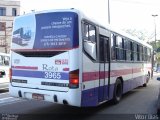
[140,103]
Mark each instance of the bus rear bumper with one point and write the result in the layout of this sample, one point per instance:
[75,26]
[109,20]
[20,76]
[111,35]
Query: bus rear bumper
[71,97]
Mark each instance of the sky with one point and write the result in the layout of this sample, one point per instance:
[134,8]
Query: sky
[124,14]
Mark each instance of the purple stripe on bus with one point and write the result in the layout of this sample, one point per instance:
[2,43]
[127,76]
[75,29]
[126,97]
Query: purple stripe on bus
[41,74]
[90,97]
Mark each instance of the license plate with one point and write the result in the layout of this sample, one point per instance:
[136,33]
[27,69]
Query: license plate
[38,96]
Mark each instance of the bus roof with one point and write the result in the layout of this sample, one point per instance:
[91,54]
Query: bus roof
[83,16]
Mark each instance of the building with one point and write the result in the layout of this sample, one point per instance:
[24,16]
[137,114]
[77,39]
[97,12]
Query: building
[8,10]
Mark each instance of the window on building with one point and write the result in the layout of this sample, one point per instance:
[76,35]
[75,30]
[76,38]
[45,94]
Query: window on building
[2,26]
[14,12]
[2,11]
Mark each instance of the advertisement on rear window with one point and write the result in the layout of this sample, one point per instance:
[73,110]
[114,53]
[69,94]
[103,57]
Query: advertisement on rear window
[46,31]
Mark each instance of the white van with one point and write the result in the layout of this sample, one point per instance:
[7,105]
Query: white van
[4,70]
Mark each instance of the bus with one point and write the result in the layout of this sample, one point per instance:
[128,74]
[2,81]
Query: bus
[4,70]
[21,36]
[76,61]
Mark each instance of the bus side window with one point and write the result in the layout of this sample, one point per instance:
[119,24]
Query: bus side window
[113,45]
[92,33]
[135,51]
[85,31]
[89,40]
[119,48]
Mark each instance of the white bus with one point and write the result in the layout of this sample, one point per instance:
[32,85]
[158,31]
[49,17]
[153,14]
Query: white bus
[4,70]
[75,61]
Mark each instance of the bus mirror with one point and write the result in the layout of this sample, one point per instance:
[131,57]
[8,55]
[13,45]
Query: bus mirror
[90,48]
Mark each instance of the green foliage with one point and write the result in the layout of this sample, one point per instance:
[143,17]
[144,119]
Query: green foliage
[156,47]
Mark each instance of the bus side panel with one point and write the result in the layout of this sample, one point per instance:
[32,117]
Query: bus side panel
[132,75]
[90,82]
[138,75]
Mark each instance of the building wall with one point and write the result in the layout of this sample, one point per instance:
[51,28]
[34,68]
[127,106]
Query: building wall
[5,34]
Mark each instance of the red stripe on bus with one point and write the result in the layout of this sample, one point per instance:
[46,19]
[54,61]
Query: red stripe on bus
[25,67]
[90,76]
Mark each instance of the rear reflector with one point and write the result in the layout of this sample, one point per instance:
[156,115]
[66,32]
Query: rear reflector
[74,79]
[65,69]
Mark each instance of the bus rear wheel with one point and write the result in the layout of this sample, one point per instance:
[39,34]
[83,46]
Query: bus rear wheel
[117,94]
[147,80]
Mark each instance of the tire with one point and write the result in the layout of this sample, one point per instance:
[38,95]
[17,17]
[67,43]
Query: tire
[147,80]
[117,94]
[145,85]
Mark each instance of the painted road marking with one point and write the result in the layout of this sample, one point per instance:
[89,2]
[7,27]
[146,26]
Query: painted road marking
[9,100]
[1,94]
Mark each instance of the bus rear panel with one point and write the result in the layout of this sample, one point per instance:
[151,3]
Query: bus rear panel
[46,67]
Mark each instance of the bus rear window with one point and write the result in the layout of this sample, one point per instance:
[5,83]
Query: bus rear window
[54,30]
[40,53]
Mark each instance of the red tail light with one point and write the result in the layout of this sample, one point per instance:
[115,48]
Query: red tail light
[74,79]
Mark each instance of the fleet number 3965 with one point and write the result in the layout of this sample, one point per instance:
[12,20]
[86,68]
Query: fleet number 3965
[52,75]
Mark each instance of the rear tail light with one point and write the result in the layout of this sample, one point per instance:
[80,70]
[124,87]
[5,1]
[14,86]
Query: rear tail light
[10,74]
[74,79]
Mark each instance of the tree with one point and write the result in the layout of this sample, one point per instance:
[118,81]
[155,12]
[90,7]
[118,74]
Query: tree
[141,34]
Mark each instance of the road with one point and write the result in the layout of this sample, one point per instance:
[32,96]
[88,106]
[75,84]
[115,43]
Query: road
[140,101]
